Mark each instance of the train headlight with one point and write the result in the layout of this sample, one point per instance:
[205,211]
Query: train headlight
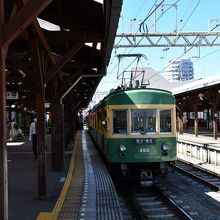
[122,148]
[165,148]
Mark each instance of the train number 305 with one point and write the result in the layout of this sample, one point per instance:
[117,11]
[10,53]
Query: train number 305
[144,150]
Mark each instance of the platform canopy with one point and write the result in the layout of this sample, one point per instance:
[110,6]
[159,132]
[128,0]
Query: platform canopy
[76,39]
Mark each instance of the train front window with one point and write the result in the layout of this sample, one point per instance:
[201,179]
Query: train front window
[165,121]
[119,121]
[143,121]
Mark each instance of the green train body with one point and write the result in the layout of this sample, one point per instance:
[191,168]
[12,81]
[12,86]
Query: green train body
[136,128]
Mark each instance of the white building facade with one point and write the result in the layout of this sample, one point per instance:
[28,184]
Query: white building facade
[179,70]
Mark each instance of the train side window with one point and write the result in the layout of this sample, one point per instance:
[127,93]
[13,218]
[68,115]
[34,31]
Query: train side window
[165,120]
[119,121]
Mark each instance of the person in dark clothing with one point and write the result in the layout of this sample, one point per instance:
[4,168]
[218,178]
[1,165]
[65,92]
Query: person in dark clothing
[33,136]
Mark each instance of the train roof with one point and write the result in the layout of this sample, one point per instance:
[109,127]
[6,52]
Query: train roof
[138,96]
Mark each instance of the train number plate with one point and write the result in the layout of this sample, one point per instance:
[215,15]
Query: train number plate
[144,150]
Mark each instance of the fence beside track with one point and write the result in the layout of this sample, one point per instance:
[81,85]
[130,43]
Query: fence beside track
[205,152]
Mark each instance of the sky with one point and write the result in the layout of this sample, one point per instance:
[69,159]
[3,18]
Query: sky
[188,16]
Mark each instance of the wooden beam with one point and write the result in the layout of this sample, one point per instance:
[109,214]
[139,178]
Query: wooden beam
[18,64]
[67,83]
[74,36]
[40,35]
[81,65]
[60,64]
[22,19]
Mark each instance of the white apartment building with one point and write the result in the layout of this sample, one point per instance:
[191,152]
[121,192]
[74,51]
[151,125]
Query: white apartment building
[179,70]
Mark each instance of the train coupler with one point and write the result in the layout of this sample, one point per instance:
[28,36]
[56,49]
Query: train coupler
[146,178]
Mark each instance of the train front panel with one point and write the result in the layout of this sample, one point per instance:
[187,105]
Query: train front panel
[140,150]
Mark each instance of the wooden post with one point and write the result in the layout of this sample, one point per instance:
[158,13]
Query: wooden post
[196,127]
[214,121]
[180,121]
[40,108]
[3,140]
[214,98]
[68,123]
[57,136]
[3,130]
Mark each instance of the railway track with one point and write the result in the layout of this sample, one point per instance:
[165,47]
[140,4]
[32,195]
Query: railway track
[203,176]
[196,191]
[151,203]
[189,193]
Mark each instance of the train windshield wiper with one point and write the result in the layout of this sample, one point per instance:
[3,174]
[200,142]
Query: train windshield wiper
[141,131]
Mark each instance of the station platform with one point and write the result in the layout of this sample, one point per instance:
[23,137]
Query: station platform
[81,191]
[84,190]
[203,138]
[90,194]
[23,202]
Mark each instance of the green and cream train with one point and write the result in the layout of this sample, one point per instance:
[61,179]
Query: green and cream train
[135,129]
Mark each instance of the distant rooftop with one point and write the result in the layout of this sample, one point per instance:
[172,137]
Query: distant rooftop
[152,78]
[197,84]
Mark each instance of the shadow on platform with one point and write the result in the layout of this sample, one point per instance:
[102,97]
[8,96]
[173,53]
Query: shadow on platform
[24,203]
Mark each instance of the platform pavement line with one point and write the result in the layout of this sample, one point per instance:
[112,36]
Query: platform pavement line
[56,210]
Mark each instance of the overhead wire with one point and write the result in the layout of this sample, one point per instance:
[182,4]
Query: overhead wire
[192,61]
[165,11]
[158,73]
[185,21]
[156,21]
[149,14]
[176,38]
[108,75]
[122,38]
[137,30]
[141,7]
[206,55]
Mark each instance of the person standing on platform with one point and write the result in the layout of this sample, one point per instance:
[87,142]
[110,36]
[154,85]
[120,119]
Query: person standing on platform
[13,131]
[185,121]
[8,124]
[33,136]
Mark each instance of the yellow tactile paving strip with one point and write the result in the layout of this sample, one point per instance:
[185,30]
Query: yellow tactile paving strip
[68,203]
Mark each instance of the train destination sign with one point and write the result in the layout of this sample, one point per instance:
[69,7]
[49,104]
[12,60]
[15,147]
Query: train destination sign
[145,141]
